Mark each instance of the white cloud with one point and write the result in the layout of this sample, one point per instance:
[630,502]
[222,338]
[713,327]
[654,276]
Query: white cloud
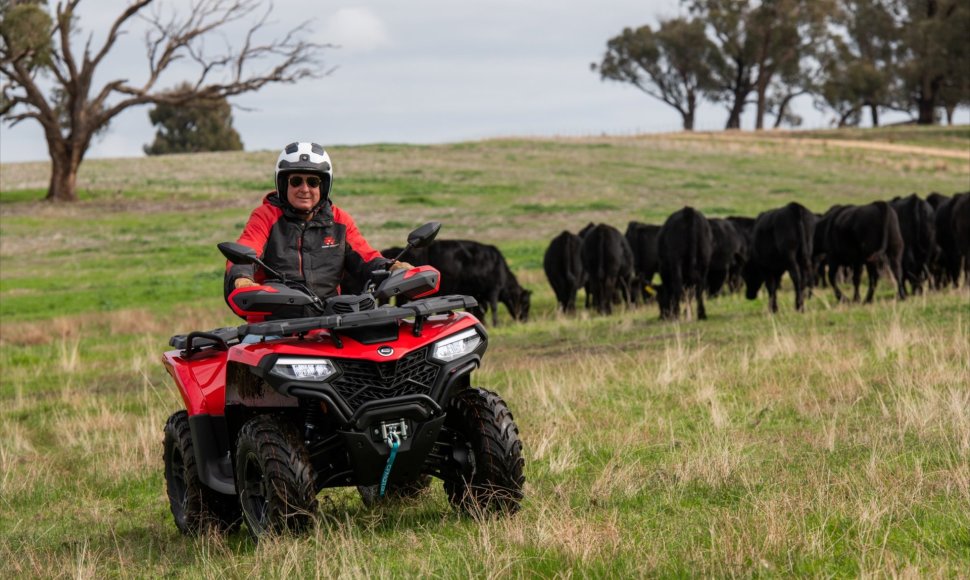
[355,30]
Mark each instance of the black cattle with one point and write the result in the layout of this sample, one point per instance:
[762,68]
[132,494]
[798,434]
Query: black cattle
[961,232]
[646,261]
[684,245]
[589,290]
[479,270]
[953,237]
[857,236]
[745,228]
[473,269]
[781,242]
[727,254]
[918,229]
[936,199]
[608,263]
[564,269]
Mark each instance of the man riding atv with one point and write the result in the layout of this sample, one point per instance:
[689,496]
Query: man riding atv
[299,232]
[322,390]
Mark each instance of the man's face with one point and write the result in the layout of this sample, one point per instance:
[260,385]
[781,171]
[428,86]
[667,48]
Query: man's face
[301,196]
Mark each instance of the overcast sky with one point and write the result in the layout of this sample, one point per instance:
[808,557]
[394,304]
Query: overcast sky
[430,71]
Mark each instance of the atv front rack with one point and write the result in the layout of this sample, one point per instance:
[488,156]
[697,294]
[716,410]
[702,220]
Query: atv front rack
[222,338]
[419,309]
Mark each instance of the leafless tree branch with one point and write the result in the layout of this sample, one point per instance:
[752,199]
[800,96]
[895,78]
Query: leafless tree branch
[76,109]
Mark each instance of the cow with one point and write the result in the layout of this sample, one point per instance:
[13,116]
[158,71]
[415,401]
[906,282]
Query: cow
[961,231]
[589,290]
[918,229]
[608,263]
[727,254]
[684,245]
[646,262]
[563,265]
[473,269]
[953,237]
[936,199]
[745,228]
[781,242]
[862,235]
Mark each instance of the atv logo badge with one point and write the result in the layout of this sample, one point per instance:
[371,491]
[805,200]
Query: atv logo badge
[329,242]
[385,351]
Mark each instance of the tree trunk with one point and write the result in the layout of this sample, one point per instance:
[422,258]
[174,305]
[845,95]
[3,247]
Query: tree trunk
[759,120]
[926,101]
[844,120]
[688,115]
[783,109]
[927,111]
[950,109]
[688,120]
[734,117]
[64,166]
[874,112]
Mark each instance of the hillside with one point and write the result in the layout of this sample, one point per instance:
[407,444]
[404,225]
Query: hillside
[830,443]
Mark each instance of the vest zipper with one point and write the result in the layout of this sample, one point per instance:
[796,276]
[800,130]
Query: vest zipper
[299,251]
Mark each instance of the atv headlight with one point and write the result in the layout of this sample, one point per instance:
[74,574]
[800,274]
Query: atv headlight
[304,369]
[455,346]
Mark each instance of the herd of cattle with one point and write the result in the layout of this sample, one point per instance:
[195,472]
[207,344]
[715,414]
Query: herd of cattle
[921,242]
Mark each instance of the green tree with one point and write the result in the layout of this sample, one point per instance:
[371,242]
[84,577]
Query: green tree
[858,61]
[204,125]
[671,64]
[934,55]
[733,73]
[81,102]
[764,47]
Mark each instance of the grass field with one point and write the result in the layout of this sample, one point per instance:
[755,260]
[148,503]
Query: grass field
[830,443]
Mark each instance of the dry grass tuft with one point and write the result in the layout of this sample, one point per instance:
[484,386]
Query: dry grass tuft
[712,460]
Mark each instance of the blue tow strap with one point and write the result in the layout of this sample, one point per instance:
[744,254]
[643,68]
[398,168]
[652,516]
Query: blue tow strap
[394,441]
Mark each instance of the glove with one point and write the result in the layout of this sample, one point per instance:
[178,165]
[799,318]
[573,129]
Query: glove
[243,283]
[400,266]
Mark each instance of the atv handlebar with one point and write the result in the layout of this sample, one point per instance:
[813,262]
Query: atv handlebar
[419,309]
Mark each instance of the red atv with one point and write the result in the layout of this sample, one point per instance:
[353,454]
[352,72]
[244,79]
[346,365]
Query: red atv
[335,392]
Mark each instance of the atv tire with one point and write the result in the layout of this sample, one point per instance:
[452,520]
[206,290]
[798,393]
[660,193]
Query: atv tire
[195,507]
[274,478]
[487,430]
[370,494]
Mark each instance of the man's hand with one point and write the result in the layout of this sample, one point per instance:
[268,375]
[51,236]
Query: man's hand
[400,266]
[244,283]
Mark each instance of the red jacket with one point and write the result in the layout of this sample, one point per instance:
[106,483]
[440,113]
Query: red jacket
[319,252]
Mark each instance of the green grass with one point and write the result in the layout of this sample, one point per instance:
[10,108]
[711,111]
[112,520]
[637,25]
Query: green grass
[830,443]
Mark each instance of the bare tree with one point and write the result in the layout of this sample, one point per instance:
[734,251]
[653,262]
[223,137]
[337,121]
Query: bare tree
[75,110]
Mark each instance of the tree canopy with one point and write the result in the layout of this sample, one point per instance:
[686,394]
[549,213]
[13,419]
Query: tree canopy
[204,125]
[851,55]
[672,64]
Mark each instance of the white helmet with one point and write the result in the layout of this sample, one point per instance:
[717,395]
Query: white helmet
[304,158]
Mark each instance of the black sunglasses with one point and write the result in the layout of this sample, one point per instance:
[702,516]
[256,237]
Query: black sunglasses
[312,182]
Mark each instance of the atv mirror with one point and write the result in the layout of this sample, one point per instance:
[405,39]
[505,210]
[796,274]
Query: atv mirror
[238,253]
[424,235]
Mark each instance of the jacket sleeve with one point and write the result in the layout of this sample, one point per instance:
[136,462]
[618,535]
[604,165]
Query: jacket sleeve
[254,235]
[360,259]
